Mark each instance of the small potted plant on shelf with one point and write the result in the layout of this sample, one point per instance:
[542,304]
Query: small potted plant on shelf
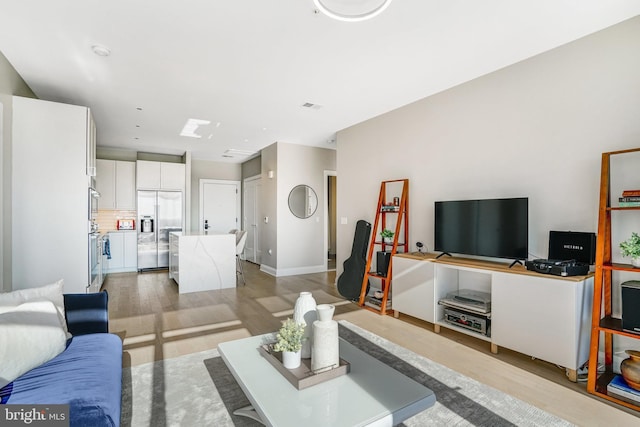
[289,342]
[387,235]
[631,248]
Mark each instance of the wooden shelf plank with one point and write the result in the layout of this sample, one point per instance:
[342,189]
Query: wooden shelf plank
[620,267]
[613,325]
[623,208]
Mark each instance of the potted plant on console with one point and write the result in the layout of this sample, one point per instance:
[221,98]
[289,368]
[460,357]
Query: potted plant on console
[387,236]
[289,342]
[631,248]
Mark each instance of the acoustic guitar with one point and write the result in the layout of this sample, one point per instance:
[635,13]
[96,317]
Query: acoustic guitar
[350,281]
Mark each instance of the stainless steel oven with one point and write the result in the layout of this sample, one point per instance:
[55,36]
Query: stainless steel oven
[95,252]
[94,196]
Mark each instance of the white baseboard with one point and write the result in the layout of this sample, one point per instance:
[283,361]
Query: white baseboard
[268,270]
[282,272]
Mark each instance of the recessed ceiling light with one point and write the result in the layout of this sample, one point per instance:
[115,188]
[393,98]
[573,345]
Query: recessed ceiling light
[191,126]
[100,50]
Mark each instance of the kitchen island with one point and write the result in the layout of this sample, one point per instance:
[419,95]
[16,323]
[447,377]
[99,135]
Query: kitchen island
[202,261]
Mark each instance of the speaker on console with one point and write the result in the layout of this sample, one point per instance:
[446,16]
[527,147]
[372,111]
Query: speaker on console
[382,262]
[631,306]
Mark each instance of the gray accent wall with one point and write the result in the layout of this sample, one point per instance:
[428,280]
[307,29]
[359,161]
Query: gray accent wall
[296,245]
[252,167]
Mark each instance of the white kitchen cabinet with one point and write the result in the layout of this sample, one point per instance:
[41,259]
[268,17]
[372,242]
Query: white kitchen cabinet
[160,175]
[413,288]
[115,181]
[105,183]
[116,248]
[124,251]
[147,175]
[172,176]
[91,168]
[50,159]
[543,316]
[125,185]
[130,250]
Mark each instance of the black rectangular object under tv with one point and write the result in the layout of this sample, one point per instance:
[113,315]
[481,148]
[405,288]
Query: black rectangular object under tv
[497,228]
[382,262]
[578,246]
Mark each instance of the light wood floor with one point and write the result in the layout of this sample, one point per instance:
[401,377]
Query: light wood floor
[156,322]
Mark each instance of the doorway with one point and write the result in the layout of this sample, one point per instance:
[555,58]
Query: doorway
[330,197]
[219,205]
[251,219]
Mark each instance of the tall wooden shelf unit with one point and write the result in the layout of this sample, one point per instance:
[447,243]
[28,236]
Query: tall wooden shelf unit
[402,243]
[602,321]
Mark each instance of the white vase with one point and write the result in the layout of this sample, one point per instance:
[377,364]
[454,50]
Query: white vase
[635,262]
[325,352]
[304,312]
[291,359]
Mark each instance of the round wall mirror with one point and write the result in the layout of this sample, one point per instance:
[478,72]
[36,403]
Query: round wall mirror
[303,201]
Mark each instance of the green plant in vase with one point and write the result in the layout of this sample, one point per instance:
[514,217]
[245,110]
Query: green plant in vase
[289,337]
[387,235]
[631,248]
[289,342]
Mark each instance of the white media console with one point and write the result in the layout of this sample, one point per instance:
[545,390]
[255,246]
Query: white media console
[544,316]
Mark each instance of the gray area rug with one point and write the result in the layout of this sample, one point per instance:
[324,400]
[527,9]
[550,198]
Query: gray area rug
[199,390]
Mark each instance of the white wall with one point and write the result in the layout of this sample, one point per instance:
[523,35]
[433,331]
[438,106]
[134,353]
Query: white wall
[205,169]
[10,84]
[534,129]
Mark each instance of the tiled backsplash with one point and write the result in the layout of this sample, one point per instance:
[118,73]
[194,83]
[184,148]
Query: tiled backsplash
[107,219]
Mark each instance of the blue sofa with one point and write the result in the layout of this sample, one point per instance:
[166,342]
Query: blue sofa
[87,375]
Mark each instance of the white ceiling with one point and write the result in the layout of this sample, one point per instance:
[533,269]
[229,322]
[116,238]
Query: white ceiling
[250,65]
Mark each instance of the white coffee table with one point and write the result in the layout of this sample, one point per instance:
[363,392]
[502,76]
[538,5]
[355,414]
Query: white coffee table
[371,394]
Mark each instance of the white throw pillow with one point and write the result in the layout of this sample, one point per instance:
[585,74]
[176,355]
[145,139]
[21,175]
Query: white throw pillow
[30,335]
[52,292]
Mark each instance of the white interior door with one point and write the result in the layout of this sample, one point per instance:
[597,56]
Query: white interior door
[251,223]
[219,205]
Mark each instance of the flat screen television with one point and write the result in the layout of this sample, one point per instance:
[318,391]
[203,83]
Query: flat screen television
[497,228]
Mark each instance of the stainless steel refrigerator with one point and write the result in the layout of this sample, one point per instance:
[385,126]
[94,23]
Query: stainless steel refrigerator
[159,213]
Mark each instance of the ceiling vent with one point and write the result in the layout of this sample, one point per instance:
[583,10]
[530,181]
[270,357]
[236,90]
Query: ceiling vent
[312,106]
[233,152]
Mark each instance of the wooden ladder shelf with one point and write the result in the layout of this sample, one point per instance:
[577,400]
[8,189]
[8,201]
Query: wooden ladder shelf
[386,207]
[603,323]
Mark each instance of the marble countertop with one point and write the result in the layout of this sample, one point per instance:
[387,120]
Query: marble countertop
[198,233]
